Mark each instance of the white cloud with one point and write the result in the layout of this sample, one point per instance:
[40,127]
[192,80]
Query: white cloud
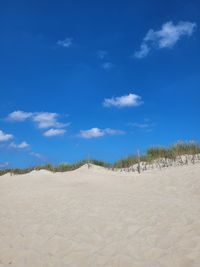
[41,119]
[66,43]
[166,37]
[107,65]
[5,137]
[54,132]
[130,100]
[47,119]
[92,133]
[96,132]
[22,145]
[19,115]
[102,54]
[143,52]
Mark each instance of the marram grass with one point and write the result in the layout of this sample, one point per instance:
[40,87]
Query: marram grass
[172,152]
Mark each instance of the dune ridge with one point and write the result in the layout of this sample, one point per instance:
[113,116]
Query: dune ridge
[97,217]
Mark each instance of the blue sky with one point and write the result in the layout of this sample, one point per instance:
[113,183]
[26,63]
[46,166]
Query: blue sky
[96,78]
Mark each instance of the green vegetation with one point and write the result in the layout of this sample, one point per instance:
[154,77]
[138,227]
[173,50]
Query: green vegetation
[63,167]
[183,148]
[154,153]
[129,161]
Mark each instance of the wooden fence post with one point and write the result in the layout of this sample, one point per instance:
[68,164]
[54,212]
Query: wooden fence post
[138,154]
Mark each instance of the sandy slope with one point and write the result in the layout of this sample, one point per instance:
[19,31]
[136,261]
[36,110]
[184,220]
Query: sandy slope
[101,218]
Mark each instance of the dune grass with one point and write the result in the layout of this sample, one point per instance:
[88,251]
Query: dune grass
[157,152]
[63,167]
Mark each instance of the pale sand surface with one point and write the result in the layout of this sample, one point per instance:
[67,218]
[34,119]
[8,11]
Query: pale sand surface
[98,218]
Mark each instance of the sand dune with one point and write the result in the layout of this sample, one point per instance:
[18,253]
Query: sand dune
[98,217]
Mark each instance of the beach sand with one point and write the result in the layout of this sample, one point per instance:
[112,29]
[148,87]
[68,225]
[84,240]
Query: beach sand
[97,217]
